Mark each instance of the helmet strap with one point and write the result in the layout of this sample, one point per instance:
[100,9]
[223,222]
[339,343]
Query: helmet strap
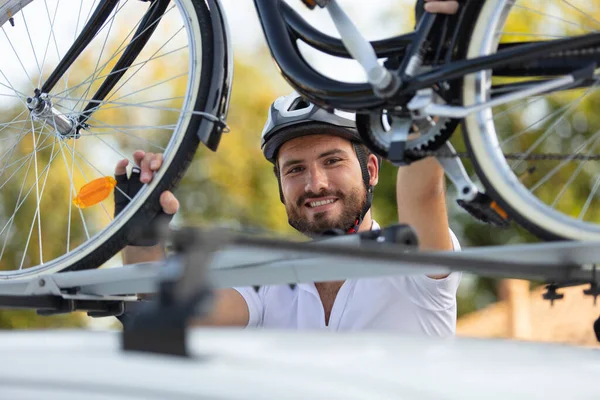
[363,161]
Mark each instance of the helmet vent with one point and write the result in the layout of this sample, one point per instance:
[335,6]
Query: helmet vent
[298,104]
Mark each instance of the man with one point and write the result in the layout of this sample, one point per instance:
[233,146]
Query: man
[326,179]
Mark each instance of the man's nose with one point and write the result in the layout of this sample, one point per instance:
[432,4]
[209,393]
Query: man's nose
[316,180]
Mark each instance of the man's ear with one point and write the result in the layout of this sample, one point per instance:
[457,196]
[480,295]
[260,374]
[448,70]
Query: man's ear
[372,166]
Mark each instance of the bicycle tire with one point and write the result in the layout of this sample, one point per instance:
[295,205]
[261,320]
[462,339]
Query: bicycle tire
[483,146]
[135,216]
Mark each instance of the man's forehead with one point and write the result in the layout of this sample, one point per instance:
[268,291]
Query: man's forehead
[313,144]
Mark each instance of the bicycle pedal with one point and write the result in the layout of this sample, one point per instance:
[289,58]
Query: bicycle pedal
[485,209]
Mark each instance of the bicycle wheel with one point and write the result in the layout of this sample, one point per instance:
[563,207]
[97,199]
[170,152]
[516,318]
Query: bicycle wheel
[555,199]
[153,107]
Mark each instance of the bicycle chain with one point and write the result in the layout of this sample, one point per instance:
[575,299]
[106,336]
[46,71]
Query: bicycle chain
[508,156]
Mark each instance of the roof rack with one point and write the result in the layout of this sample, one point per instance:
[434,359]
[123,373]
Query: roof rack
[205,259]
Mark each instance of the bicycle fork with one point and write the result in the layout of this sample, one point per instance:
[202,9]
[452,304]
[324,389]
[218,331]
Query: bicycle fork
[41,106]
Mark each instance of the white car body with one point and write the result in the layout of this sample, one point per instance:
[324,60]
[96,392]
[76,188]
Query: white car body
[261,364]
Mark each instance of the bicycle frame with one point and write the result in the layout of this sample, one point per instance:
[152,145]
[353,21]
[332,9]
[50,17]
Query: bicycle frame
[282,26]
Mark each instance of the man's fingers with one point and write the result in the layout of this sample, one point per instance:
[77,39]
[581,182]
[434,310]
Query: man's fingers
[121,167]
[146,175]
[441,7]
[138,156]
[156,162]
[169,202]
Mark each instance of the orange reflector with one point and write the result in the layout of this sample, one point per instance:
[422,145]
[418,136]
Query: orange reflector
[94,192]
[499,210]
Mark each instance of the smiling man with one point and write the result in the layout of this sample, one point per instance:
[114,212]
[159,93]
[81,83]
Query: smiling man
[326,179]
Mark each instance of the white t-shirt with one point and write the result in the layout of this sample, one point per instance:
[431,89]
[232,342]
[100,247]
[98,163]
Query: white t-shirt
[413,304]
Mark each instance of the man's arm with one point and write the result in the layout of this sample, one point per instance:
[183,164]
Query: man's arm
[230,308]
[421,199]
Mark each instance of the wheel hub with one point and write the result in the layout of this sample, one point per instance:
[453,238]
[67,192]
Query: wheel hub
[41,109]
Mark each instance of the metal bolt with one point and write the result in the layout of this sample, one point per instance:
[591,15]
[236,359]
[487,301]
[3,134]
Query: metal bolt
[42,282]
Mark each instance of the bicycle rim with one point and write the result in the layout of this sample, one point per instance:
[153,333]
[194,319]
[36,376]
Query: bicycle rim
[42,171]
[552,199]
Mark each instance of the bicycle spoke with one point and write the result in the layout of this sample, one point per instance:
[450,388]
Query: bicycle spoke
[538,35]
[552,127]
[530,127]
[54,38]
[36,214]
[112,20]
[594,138]
[85,228]
[130,135]
[85,82]
[11,87]
[10,95]
[508,110]
[6,124]
[553,16]
[71,193]
[31,42]
[581,11]
[144,63]
[21,159]
[589,199]
[68,74]
[37,190]
[119,50]
[12,151]
[15,211]
[18,58]
[572,177]
[47,44]
[13,148]
[115,150]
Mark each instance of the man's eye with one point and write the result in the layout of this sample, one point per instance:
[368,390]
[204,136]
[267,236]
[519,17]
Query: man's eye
[294,170]
[332,161]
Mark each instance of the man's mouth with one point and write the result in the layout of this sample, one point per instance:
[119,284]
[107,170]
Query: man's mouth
[320,203]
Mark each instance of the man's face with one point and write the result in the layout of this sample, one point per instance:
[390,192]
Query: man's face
[321,182]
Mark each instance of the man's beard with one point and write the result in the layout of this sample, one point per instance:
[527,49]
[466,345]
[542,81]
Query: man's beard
[353,204]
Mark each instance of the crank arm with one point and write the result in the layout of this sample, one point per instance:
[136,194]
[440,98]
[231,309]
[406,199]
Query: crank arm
[423,102]
[480,205]
[455,171]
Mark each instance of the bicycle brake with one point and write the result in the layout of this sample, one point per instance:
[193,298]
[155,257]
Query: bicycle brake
[480,205]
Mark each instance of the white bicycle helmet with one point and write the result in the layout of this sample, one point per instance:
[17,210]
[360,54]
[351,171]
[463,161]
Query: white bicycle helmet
[291,116]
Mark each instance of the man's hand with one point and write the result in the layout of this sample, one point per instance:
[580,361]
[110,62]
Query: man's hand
[147,163]
[441,6]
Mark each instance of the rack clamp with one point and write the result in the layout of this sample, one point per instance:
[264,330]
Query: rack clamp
[184,293]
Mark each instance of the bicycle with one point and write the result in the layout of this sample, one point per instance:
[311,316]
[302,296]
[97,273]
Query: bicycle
[451,69]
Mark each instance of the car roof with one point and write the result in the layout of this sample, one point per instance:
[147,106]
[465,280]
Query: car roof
[263,364]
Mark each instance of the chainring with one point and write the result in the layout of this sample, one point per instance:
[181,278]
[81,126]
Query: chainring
[375,131]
